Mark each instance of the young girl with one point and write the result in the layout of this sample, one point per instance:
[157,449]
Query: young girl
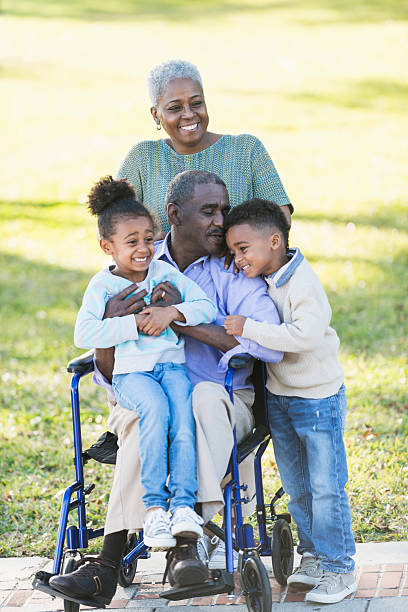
[149,376]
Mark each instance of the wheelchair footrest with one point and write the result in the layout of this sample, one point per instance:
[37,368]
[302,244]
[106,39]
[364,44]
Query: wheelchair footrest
[220,582]
[40,583]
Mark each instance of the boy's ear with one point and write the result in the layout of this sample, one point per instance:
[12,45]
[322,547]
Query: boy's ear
[105,246]
[174,213]
[275,241]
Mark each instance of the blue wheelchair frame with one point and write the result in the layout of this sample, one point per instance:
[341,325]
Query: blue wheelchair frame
[78,537]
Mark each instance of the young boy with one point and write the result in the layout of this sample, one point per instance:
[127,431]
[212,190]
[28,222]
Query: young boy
[306,397]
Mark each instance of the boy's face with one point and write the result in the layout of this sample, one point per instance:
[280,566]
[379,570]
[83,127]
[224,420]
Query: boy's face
[131,246]
[256,251]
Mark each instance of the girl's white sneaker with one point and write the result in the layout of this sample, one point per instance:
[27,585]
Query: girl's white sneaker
[186,523]
[157,530]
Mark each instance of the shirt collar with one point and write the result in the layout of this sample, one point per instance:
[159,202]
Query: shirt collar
[281,276]
[162,252]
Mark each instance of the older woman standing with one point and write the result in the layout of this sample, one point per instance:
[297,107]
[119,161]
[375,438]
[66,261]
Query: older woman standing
[178,106]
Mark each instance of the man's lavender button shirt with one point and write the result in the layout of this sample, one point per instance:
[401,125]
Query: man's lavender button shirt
[232,294]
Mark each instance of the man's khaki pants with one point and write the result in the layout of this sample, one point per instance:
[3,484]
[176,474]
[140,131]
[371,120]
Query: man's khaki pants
[215,417]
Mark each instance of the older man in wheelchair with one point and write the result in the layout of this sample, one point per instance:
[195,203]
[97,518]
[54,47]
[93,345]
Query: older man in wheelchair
[196,203]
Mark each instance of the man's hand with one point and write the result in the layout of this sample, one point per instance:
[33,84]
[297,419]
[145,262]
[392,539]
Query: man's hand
[155,320]
[119,306]
[165,294]
[234,325]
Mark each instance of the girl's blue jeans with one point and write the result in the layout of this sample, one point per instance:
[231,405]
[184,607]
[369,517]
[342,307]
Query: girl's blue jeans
[161,399]
[307,437]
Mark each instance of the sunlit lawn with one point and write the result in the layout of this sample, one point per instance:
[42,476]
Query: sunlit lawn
[325,86]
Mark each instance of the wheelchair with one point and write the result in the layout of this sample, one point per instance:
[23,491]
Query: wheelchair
[252,572]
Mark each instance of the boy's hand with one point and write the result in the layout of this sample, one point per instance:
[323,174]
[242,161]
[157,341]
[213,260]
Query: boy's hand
[234,325]
[155,320]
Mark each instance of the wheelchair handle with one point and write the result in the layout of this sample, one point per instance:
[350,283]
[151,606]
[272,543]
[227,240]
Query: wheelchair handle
[240,361]
[82,364]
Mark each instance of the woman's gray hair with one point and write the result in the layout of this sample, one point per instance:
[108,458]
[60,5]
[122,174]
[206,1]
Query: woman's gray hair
[160,76]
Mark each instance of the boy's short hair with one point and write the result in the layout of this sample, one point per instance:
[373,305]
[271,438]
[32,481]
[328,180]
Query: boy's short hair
[259,214]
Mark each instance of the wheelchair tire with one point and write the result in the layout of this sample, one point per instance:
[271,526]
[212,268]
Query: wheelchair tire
[256,587]
[126,574]
[282,551]
[70,606]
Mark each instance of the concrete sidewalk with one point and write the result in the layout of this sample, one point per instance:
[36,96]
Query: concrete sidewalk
[382,574]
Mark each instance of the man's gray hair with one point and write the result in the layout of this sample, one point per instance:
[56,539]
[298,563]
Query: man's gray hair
[160,76]
[181,188]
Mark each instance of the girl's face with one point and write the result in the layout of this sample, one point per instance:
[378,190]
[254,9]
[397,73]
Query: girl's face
[183,114]
[131,246]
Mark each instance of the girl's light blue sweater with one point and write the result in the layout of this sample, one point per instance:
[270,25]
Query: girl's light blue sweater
[136,351]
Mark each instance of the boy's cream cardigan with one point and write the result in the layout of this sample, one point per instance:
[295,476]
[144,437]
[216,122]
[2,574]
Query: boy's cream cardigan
[310,367]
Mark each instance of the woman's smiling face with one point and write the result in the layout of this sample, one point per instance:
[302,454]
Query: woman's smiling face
[183,114]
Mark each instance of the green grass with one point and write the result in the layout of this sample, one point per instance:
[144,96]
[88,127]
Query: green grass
[325,86]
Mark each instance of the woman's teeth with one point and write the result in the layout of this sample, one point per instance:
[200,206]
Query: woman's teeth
[189,128]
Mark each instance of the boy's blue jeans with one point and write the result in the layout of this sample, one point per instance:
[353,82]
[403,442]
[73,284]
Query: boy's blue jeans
[162,400]
[307,437]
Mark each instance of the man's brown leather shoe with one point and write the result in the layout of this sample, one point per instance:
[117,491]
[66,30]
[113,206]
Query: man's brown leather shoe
[94,579]
[184,566]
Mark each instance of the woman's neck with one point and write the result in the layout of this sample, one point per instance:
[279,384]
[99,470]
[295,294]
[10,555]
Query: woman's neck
[208,139]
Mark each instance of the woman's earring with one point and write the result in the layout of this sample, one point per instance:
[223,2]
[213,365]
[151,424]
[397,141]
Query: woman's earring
[158,126]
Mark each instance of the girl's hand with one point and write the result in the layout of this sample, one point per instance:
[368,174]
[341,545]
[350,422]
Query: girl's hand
[157,319]
[234,325]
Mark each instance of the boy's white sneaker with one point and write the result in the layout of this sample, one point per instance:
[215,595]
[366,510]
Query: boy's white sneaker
[212,552]
[186,523]
[332,587]
[307,575]
[218,559]
[156,529]
[205,546]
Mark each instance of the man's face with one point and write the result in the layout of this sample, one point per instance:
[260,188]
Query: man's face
[203,219]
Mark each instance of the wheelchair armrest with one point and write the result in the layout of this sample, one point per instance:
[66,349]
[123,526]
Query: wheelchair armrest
[259,435]
[240,361]
[82,364]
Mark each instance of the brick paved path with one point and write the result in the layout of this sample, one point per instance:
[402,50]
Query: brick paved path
[375,581]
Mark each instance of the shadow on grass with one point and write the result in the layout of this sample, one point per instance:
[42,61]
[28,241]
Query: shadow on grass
[369,94]
[370,317]
[39,302]
[383,216]
[319,11]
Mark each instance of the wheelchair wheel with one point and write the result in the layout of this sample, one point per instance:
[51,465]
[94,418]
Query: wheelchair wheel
[256,587]
[70,606]
[282,551]
[127,573]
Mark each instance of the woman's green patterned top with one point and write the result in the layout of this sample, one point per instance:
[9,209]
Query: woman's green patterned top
[241,161]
